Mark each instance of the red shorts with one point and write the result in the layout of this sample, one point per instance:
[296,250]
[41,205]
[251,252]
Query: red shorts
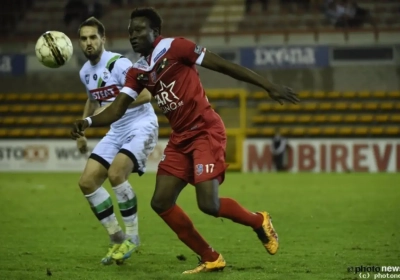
[197,159]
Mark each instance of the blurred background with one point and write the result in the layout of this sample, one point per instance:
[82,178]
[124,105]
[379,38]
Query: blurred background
[341,56]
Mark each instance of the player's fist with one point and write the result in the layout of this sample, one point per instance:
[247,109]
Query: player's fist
[78,128]
[283,94]
[81,143]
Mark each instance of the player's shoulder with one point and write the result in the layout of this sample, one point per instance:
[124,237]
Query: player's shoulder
[85,68]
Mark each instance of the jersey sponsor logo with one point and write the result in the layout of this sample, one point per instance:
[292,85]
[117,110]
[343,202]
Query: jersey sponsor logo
[198,49]
[87,78]
[106,75]
[105,93]
[166,99]
[95,77]
[199,169]
[161,53]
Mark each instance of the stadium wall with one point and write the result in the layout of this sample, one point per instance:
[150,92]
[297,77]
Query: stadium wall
[310,155]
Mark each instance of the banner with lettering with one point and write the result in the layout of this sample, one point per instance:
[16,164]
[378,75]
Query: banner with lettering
[325,155]
[12,64]
[56,155]
[281,57]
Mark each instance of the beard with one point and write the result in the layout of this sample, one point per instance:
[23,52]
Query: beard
[92,55]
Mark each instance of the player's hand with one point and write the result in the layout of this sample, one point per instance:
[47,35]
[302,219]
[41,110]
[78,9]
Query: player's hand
[283,94]
[78,128]
[81,143]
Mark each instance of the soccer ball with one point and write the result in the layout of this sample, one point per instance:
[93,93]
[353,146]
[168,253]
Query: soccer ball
[53,49]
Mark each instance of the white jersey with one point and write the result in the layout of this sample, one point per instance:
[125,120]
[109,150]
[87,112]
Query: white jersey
[103,83]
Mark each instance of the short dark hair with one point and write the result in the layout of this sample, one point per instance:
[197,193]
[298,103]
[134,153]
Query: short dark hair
[94,22]
[151,14]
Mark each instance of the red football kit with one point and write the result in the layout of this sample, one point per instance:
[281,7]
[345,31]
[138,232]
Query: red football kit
[196,148]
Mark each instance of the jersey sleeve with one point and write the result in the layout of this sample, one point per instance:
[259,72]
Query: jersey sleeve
[187,51]
[132,87]
[121,67]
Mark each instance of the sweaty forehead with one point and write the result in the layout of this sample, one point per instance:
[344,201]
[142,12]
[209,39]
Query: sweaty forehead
[88,31]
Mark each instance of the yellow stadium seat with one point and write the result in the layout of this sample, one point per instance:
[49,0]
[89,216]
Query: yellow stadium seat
[31,108]
[298,131]
[329,130]
[318,94]
[314,131]
[381,118]
[366,118]
[29,132]
[3,132]
[395,118]
[304,118]
[16,132]
[394,94]
[376,130]
[341,106]
[304,94]
[345,130]
[360,130]
[309,106]
[289,119]
[350,118]
[364,94]
[379,94]
[26,96]
[265,106]
[39,96]
[325,106]
[356,106]
[335,118]
[349,94]
[320,118]
[12,96]
[333,94]
[54,96]
[46,108]
[397,106]
[8,120]
[38,120]
[23,120]
[61,108]
[393,130]
[387,106]
[371,105]
[17,108]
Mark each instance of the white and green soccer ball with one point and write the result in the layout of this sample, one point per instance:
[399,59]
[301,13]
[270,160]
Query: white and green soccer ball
[53,49]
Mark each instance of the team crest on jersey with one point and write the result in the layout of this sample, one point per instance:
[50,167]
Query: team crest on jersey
[87,78]
[106,75]
[199,169]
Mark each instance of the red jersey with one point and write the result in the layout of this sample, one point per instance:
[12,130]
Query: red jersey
[169,73]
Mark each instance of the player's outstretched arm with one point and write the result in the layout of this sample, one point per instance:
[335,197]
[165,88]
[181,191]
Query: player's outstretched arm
[216,63]
[143,98]
[111,114]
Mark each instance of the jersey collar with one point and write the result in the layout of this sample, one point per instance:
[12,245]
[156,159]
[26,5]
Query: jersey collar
[155,43]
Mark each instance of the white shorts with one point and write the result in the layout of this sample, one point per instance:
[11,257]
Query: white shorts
[137,142]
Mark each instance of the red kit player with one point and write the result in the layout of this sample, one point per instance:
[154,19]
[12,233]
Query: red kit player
[195,153]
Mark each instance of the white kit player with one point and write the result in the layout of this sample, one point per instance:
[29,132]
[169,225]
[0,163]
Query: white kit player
[123,150]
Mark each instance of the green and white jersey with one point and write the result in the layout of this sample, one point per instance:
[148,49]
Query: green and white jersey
[104,81]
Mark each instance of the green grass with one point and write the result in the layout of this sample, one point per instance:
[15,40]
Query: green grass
[326,222]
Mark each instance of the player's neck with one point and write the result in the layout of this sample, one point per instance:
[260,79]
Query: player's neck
[94,62]
[147,53]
